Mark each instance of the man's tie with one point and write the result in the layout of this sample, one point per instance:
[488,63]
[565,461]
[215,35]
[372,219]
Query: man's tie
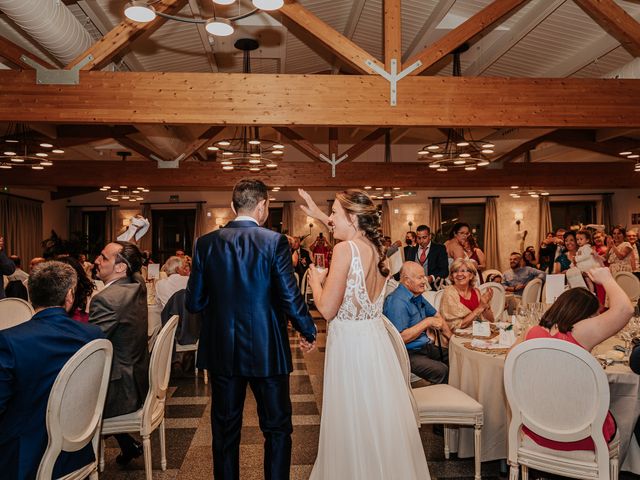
[423,256]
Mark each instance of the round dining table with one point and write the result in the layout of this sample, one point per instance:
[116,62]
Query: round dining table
[480,375]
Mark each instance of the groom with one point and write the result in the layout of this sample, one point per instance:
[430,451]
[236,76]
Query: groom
[242,281]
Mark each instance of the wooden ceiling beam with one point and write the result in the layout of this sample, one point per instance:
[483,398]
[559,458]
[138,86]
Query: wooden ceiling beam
[428,27]
[392,33]
[320,100]
[348,52]
[139,148]
[123,35]
[300,143]
[333,141]
[481,21]
[615,21]
[409,175]
[204,140]
[521,149]
[13,53]
[365,144]
[349,29]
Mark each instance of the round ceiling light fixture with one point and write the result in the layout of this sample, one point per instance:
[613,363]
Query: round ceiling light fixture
[268,4]
[220,27]
[140,12]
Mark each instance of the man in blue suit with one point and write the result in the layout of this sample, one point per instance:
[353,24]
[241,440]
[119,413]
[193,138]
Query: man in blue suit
[242,281]
[31,356]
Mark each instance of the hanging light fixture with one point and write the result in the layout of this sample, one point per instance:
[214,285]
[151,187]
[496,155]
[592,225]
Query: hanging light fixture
[386,193]
[123,193]
[460,150]
[518,192]
[246,150]
[20,148]
[633,155]
[143,12]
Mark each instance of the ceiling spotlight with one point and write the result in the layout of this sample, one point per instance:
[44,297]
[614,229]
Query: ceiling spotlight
[255,161]
[459,162]
[139,12]
[367,187]
[226,162]
[228,167]
[254,169]
[42,155]
[272,165]
[268,4]
[438,155]
[5,167]
[220,27]
[633,156]
[10,154]
[462,144]
[514,187]
[465,155]
[277,152]
[470,168]
[17,159]
[224,143]
[423,152]
[486,151]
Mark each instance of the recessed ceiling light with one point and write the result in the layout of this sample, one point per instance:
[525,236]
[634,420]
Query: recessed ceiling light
[367,188]
[228,167]
[226,162]
[423,152]
[442,169]
[5,167]
[486,151]
[37,167]
[438,155]
[254,142]
[514,187]
[470,168]
[224,2]
[462,144]
[17,159]
[46,163]
[272,165]
[465,155]
[459,162]
[277,152]
[10,153]
[40,154]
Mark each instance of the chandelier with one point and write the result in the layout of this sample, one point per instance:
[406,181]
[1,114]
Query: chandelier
[631,155]
[386,193]
[143,12]
[517,192]
[123,193]
[21,149]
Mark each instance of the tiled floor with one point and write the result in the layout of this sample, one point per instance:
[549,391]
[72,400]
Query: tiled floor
[189,432]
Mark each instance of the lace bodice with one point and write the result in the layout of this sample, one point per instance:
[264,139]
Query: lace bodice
[356,305]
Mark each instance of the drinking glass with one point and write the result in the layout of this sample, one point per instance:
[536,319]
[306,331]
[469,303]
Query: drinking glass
[318,260]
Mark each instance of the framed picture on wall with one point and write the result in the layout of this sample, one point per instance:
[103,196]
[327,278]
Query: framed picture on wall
[635,218]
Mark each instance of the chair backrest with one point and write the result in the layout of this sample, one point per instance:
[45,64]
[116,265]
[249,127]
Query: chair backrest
[489,272]
[14,311]
[76,401]
[403,358]
[563,404]
[629,283]
[531,292]
[434,297]
[497,301]
[160,369]
[392,284]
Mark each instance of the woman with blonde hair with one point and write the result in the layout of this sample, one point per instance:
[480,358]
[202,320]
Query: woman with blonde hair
[461,302]
[368,430]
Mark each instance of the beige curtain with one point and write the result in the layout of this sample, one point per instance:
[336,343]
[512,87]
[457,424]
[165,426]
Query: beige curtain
[287,218]
[201,221]
[386,218]
[113,224]
[545,224]
[21,226]
[146,240]
[435,221]
[491,238]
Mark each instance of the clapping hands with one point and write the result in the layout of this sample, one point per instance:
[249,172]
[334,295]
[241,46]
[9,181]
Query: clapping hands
[485,299]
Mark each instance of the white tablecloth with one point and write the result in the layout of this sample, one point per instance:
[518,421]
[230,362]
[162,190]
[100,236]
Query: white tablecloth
[480,375]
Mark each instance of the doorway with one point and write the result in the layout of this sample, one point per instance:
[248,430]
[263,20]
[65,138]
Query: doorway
[172,230]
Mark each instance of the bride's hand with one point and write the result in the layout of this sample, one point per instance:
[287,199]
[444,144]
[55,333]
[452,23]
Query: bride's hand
[311,209]
[317,274]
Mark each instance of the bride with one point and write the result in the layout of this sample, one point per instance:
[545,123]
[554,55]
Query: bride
[368,429]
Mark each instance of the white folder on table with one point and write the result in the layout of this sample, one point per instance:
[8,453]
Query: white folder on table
[554,286]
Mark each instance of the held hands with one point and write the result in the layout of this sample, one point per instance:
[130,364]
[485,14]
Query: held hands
[311,209]
[600,275]
[306,346]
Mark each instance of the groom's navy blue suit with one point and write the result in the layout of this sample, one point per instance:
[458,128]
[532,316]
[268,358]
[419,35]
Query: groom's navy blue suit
[242,281]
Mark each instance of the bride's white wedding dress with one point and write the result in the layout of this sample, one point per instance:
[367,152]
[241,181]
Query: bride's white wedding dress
[368,429]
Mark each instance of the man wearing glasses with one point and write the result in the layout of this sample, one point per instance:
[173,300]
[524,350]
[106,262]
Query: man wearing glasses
[432,256]
[120,310]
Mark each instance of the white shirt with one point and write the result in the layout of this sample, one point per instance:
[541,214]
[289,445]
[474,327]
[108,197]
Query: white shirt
[167,287]
[19,275]
[246,218]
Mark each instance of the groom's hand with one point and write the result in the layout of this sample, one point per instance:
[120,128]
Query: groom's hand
[306,346]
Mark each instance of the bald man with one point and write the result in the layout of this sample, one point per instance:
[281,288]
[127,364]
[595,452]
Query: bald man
[412,315]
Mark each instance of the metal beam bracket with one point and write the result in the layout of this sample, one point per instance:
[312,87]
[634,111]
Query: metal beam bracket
[333,161]
[168,163]
[394,77]
[45,76]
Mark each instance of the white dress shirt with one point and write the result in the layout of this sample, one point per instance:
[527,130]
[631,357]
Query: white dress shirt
[167,287]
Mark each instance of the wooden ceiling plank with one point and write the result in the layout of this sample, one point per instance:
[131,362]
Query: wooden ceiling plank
[123,35]
[508,39]
[605,134]
[348,52]
[324,100]
[300,143]
[428,27]
[481,21]
[13,53]
[365,144]
[521,149]
[349,29]
[311,175]
[615,21]
[392,33]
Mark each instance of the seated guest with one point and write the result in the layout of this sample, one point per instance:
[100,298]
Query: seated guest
[573,318]
[16,286]
[566,259]
[120,310]
[177,277]
[632,238]
[599,239]
[7,267]
[462,303]
[31,356]
[517,277]
[620,256]
[432,256]
[82,293]
[529,257]
[412,315]
[35,261]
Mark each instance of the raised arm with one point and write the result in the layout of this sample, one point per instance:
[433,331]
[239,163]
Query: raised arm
[312,209]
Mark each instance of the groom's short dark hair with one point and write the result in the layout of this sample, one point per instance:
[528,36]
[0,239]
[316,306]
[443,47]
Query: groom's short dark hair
[247,193]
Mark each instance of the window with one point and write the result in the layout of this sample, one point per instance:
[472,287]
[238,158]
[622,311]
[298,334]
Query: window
[568,214]
[471,213]
[93,231]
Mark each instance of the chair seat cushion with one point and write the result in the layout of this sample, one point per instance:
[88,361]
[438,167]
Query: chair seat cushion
[526,443]
[438,400]
[122,423]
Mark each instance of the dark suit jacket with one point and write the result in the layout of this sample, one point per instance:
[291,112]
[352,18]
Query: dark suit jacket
[437,260]
[7,267]
[242,281]
[31,356]
[120,310]
[188,331]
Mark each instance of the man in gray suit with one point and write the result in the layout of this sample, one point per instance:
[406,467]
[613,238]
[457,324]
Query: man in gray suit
[120,310]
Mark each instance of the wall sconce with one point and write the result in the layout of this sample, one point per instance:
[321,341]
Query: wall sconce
[410,220]
[518,218]
[125,222]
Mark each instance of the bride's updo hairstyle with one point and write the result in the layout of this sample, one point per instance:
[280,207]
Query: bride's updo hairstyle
[358,203]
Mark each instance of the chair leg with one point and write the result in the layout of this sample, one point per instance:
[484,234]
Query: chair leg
[525,472]
[206,376]
[514,472]
[477,449]
[613,469]
[101,464]
[163,450]
[94,475]
[146,447]
[447,451]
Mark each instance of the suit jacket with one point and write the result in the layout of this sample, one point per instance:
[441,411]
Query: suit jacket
[437,263]
[7,267]
[31,356]
[120,310]
[242,281]
[188,331]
